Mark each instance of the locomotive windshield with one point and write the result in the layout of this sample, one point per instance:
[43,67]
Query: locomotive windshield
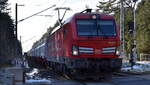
[88,27]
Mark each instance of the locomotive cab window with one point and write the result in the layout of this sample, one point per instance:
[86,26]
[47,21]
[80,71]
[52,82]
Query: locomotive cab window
[87,27]
[106,27]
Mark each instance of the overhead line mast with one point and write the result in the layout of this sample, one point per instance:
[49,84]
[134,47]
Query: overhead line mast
[122,27]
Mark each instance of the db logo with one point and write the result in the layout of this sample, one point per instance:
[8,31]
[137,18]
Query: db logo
[97,51]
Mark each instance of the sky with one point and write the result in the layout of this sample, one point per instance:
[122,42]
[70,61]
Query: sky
[33,28]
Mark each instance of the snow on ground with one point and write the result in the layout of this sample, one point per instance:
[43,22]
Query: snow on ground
[35,71]
[42,81]
[139,67]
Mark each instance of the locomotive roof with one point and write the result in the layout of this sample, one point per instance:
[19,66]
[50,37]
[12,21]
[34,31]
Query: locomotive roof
[82,14]
[93,13]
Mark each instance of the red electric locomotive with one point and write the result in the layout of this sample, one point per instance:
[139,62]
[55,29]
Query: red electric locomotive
[86,45]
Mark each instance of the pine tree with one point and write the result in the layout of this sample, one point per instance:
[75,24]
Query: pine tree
[108,6]
[10,47]
[3,5]
[143,27]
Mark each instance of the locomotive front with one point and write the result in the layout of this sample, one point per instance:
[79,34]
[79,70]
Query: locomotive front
[95,43]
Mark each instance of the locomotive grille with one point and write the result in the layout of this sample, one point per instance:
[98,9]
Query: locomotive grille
[91,50]
[85,50]
[109,50]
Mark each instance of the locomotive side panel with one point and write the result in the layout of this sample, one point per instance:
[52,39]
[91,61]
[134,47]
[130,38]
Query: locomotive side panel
[59,45]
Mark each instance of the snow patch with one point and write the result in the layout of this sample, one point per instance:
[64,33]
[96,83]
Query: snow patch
[35,71]
[141,66]
[43,81]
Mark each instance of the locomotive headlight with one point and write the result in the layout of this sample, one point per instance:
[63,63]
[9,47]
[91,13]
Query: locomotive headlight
[94,17]
[75,50]
[117,51]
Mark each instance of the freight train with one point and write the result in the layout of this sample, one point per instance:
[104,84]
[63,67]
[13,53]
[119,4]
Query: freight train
[84,45]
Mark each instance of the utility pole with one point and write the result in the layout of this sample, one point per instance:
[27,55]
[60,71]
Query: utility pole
[16,20]
[134,18]
[122,27]
[133,35]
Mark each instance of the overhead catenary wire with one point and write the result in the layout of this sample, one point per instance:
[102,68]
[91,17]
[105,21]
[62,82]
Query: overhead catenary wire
[36,13]
[29,39]
[45,15]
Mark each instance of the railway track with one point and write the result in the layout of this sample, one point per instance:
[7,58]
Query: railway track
[58,79]
[60,76]
[126,73]
[120,74]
